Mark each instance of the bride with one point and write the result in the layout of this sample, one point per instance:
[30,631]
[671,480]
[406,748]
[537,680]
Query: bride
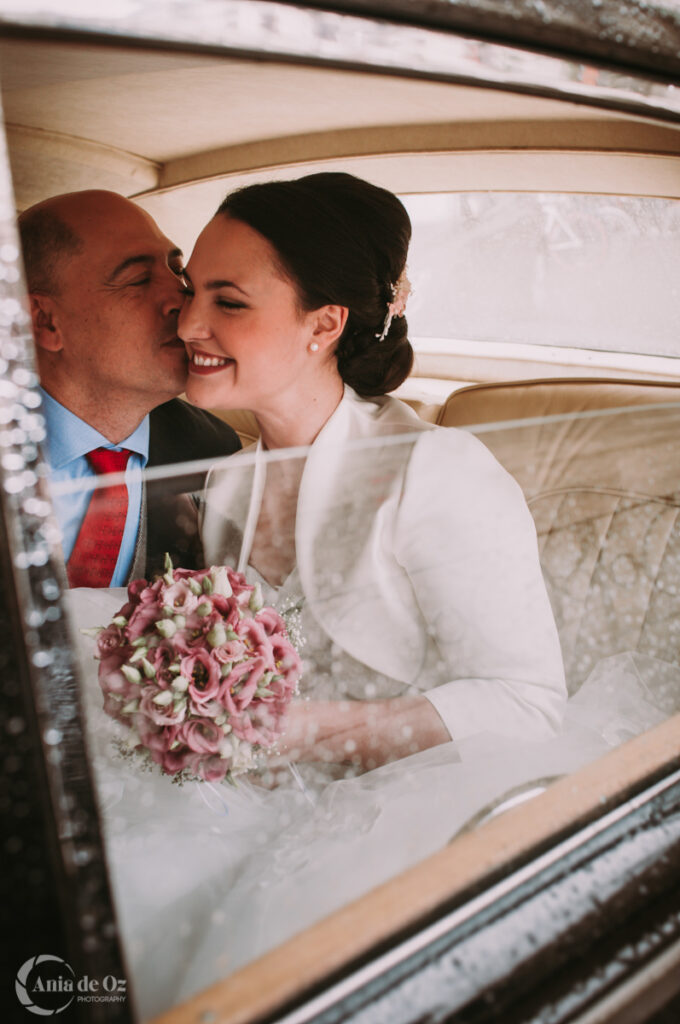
[405,562]
[416,562]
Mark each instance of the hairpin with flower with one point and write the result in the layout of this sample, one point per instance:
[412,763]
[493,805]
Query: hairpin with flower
[397,307]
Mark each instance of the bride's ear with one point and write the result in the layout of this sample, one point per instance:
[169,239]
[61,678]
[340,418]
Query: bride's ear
[327,326]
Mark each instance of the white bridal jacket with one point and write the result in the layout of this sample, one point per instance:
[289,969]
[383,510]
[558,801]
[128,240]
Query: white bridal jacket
[417,556]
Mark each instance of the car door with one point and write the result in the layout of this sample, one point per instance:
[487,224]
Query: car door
[562,907]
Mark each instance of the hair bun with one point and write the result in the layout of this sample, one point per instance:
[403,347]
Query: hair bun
[375,367]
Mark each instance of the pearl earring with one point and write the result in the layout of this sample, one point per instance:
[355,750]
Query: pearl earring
[314,346]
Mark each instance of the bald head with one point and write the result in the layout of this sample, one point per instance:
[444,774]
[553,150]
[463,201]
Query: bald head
[58,228]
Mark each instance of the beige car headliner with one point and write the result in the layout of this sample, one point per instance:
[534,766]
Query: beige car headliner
[146,122]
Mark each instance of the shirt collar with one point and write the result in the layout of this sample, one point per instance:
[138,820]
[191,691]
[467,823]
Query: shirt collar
[70,438]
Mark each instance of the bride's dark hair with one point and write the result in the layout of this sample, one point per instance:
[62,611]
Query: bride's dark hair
[341,241]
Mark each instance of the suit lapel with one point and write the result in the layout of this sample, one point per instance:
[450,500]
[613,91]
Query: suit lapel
[138,569]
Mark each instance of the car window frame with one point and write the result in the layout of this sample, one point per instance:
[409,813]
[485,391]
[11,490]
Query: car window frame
[34,580]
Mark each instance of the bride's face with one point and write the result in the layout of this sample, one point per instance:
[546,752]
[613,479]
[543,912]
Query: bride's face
[246,337]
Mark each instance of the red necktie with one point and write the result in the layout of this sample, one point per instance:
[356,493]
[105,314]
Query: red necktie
[96,549]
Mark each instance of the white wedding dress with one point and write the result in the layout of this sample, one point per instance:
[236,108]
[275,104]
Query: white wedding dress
[207,878]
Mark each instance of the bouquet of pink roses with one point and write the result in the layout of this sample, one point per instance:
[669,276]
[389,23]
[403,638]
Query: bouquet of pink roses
[199,670]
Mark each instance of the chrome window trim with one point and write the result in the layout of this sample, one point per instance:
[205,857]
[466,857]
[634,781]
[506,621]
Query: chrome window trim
[640,34]
[292,32]
[39,703]
[334,1005]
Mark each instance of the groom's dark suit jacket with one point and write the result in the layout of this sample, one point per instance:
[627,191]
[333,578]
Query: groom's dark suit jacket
[180,433]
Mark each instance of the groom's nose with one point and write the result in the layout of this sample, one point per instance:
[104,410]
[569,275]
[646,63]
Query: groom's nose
[171,297]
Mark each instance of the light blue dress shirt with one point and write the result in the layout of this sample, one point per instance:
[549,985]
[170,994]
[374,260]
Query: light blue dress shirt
[69,439]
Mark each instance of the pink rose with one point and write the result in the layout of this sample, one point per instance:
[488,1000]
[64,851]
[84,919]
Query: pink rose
[254,636]
[135,590]
[155,737]
[151,593]
[161,658]
[197,574]
[202,624]
[180,597]
[185,641]
[261,724]
[201,736]
[238,688]
[109,640]
[251,631]
[286,659]
[160,714]
[242,594]
[231,651]
[210,768]
[173,761]
[204,673]
[246,693]
[112,680]
[237,580]
[227,607]
[241,590]
[281,688]
[142,618]
[141,592]
[211,709]
[271,621]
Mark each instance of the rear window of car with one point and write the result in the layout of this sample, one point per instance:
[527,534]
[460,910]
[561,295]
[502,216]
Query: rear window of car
[545,268]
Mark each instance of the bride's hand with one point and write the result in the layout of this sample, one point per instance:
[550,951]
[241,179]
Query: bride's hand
[362,733]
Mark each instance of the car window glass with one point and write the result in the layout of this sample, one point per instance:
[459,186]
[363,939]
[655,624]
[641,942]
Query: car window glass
[251,863]
[583,271]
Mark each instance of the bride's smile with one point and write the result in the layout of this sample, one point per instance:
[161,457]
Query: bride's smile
[201,362]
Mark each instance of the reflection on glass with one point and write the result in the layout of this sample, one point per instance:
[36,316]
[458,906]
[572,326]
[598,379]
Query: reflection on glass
[208,876]
[277,30]
[585,271]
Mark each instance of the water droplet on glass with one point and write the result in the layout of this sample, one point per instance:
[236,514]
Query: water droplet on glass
[50,590]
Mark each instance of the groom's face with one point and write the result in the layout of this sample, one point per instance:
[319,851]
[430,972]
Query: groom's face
[118,301]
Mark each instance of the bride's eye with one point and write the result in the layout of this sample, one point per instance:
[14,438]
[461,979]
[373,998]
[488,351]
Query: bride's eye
[229,304]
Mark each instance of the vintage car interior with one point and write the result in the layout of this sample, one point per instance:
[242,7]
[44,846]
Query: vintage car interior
[519,159]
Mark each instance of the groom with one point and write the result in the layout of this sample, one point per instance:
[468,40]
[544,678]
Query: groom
[105,291]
